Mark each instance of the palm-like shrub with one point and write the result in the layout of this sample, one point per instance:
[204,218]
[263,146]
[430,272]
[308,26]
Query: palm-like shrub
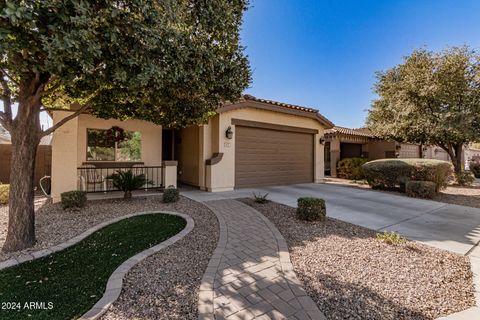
[126,181]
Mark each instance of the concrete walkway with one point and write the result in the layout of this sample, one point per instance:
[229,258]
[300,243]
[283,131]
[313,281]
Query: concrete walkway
[445,226]
[250,275]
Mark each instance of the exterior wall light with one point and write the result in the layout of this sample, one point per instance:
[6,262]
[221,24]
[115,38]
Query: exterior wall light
[322,140]
[229,133]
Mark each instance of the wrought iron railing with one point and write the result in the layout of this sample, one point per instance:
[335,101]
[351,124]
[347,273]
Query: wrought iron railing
[97,179]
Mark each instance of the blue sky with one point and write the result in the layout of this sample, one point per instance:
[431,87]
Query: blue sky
[324,54]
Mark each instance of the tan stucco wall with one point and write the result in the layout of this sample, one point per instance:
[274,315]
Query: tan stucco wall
[64,156]
[151,137]
[188,155]
[221,176]
[69,145]
[377,149]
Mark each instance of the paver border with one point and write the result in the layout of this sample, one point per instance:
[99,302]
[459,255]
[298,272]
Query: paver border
[115,281]
[206,295]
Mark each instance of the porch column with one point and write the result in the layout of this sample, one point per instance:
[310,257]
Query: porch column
[334,155]
[64,155]
[169,173]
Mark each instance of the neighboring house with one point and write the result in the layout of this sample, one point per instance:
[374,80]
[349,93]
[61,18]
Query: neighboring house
[341,143]
[252,142]
[43,161]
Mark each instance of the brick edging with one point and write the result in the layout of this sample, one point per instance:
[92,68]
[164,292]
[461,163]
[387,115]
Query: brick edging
[205,296]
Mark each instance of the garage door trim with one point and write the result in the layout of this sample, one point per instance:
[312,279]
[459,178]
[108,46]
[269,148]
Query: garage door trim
[271,126]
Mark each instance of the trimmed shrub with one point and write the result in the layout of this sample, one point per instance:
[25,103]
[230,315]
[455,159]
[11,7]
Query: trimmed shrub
[464,178]
[351,168]
[421,189]
[170,194]
[4,192]
[311,209]
[392,173]
[73,199]
[475,168]
[386,173]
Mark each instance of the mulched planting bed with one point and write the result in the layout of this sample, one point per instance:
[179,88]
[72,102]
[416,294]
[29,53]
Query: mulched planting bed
[70,282]
[352,275]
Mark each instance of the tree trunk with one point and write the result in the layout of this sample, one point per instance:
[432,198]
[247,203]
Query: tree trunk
[455,153]
[21,214]
[458,161]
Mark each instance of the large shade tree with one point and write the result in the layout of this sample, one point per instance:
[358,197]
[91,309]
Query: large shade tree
[171,62]
[431,98]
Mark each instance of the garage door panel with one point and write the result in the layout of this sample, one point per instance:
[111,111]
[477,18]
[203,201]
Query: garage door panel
[270,157]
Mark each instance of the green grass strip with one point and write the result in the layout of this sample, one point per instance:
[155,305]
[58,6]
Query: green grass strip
[73,280]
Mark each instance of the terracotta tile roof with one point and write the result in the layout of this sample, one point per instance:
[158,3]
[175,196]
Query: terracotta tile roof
[313,112]
[280,104]
[363,132]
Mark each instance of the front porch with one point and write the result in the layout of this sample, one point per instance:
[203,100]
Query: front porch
[87,150]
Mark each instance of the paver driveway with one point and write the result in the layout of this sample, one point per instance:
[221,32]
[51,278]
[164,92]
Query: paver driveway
[445,226]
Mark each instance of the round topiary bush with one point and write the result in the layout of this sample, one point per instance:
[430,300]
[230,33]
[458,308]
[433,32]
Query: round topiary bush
[390,173]
[311,209]
[170,194]
[351,168]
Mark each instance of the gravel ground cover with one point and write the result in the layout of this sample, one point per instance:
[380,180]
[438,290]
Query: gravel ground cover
[163,286]
[464,196]
[352,275]
[166,285]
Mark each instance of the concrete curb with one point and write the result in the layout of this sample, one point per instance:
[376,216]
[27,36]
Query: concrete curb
[115,282]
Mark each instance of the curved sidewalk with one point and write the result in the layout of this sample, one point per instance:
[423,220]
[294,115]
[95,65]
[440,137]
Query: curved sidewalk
[250,275]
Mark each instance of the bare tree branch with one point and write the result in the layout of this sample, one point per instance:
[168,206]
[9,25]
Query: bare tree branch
[63,121]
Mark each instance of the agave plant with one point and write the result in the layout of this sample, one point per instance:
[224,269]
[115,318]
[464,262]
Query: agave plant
[126,181]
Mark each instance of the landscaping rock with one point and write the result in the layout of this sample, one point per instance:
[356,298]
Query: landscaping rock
[352,275]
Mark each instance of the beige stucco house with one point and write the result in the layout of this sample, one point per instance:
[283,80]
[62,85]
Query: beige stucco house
[252,142]
[341,143]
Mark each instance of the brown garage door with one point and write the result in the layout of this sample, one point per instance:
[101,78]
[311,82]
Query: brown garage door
[270,157]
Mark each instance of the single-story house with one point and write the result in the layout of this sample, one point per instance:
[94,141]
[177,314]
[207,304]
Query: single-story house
[42,162]
[252,142]
[341,143]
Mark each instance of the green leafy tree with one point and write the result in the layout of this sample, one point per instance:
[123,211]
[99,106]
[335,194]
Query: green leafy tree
[431,98]
[171,62]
